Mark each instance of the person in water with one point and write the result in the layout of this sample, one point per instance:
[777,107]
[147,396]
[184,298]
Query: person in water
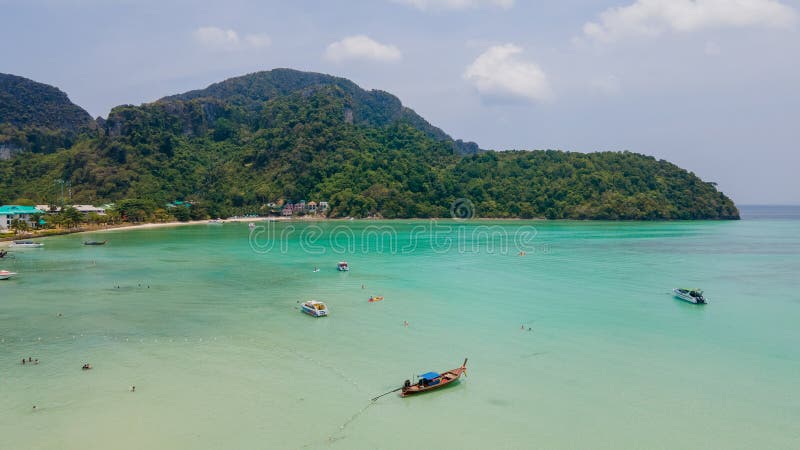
[86,366]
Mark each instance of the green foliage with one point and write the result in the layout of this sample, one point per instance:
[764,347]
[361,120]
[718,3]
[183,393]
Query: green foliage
[283,136]
[37,117]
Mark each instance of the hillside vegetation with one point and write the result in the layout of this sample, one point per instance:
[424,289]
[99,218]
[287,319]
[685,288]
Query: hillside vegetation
[285,135]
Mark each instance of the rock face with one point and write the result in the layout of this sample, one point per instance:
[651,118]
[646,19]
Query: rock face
[8,151]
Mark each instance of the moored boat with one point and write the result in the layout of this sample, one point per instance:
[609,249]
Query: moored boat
[314,308]
[433,380]
[690,295]
[216,222]
[343,266]
[95,242]
[26,244]
[4,274]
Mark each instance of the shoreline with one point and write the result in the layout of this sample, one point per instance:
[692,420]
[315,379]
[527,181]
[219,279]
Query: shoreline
[5,242]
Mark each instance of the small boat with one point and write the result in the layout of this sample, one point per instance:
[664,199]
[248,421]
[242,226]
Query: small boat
[95,242]
[216,222]
[314,308]
[375,299]
[690,295]
[4,274]
[432,380]
[342,266]
[26,244]
[251,225]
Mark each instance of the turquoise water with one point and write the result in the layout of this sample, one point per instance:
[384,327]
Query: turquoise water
[203,320]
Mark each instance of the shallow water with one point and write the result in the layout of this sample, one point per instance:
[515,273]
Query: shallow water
[203,320]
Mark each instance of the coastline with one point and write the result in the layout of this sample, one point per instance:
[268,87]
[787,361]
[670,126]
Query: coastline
[5,242]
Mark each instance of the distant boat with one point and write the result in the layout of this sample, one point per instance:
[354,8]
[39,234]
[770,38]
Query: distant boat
[375,299]
[4,274]
[314,308]
[251,225]
[432,380]
[216,222]
[95,242]
[342,266]
[690,295]
[26,244]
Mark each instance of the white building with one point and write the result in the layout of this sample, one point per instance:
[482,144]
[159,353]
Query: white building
[9,213]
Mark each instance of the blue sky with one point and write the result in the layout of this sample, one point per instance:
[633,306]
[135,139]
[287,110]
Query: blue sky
[711,85]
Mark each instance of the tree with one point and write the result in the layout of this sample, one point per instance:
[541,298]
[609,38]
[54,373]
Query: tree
[70,217]
[19,226]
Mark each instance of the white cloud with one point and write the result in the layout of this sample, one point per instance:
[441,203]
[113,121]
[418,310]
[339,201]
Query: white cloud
[362,48]
[456,4]
[498,72]
[654,17]
[228,40]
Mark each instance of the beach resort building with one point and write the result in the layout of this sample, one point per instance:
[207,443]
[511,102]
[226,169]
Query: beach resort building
[9,213]
[84,209]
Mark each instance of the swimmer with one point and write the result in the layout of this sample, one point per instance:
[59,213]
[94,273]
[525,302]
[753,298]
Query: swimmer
[405,323]
[86,366]
[133,388]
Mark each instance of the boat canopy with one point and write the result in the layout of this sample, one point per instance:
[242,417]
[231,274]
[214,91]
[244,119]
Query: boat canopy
[429,376]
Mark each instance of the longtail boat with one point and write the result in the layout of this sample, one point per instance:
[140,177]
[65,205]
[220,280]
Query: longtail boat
[95,242]
[432,380]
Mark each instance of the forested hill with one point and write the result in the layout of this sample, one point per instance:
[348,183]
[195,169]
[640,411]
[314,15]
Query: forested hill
[284,135]
[37,117]
[368,108]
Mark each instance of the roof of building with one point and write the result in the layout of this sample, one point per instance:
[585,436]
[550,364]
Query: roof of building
[16,209]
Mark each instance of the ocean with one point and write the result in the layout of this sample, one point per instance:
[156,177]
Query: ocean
[576,343]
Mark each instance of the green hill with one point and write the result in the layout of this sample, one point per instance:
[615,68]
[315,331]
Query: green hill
[285,135]
[37,117]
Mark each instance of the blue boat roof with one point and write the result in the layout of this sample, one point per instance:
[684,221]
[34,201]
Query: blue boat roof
[429,375]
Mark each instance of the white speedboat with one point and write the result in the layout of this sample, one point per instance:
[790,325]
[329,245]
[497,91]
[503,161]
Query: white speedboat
[314,308]
[216,222]
[690,295]
[4,274]
[342,266]
[26,244]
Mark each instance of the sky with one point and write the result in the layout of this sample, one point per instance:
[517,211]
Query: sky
[710,85]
